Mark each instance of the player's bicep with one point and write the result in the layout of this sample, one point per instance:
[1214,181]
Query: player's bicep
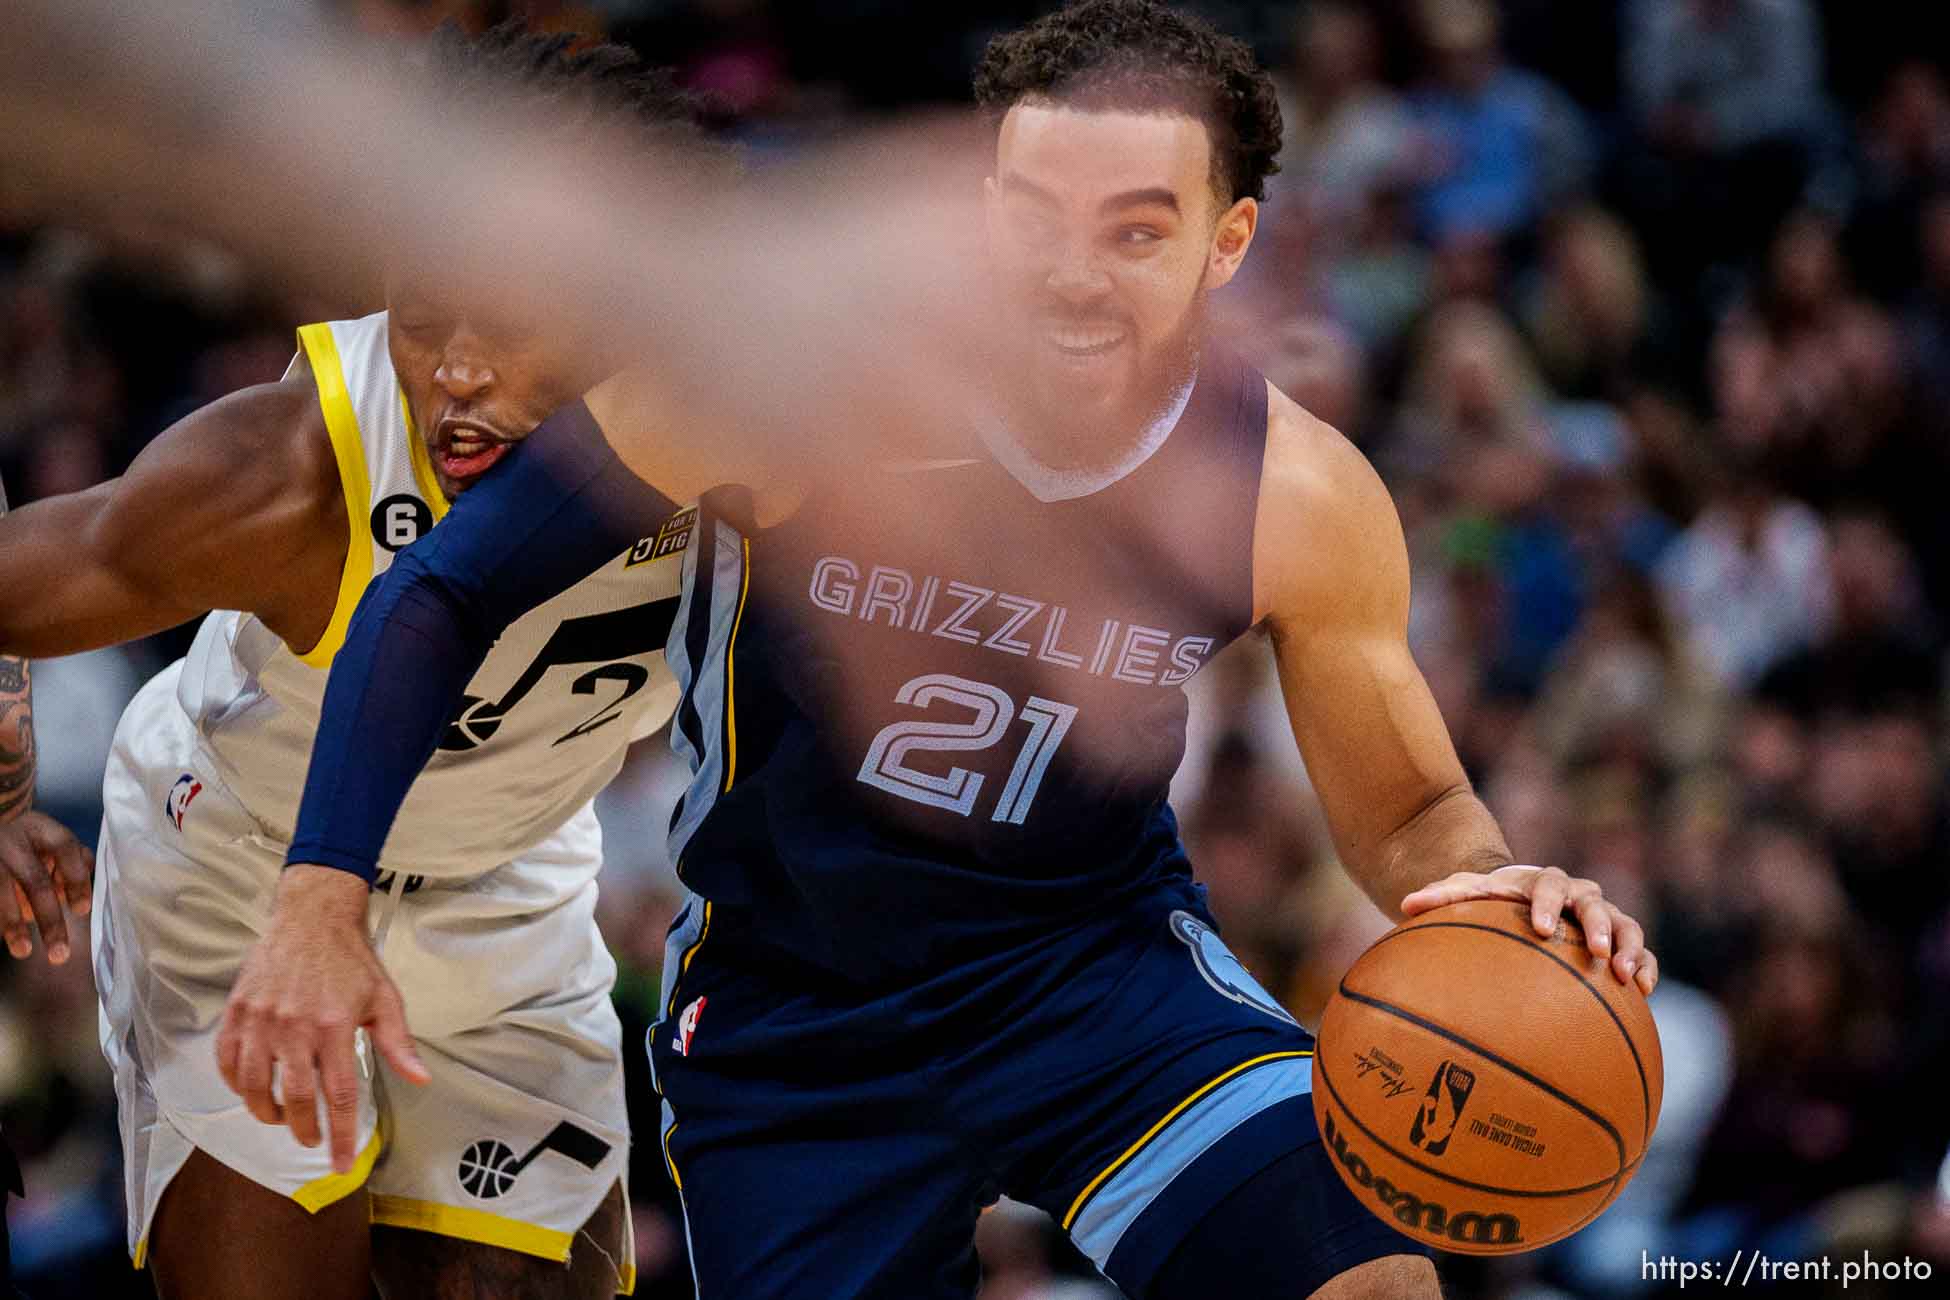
[66,588]
[222,508]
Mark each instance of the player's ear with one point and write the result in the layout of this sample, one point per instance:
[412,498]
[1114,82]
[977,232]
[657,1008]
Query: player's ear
[1234,235]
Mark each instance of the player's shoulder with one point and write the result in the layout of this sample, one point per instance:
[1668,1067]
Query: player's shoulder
[269,438]
[1313,475]
[1324,518]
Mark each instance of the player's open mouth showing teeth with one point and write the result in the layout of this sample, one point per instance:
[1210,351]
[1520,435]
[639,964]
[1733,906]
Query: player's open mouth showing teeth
[1085,340]
[467,450]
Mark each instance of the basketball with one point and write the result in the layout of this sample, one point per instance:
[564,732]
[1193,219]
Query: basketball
[1482,1089]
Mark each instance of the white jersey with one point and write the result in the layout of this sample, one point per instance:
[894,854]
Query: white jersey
[547,718]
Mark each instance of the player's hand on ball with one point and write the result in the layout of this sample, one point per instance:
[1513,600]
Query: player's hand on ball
[1608,932]
[44,864]
[308,986]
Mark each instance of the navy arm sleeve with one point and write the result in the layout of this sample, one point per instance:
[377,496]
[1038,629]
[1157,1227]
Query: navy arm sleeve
[554,511]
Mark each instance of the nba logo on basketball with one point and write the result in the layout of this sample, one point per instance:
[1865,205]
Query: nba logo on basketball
[687,1026]
[187,787]
[1441,1108]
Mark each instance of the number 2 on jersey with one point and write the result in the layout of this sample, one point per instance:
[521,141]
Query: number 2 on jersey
[885,767]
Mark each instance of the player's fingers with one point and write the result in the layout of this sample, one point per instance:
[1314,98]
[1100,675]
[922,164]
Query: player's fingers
[73,865]
[389,1034]
[1648,976]
[1550,890]
[299,1078]
[339,1071]
[1594,914]
[229,1043]
[1460,888]
[32,881]
[254,1067]
[14,911]
[1628,945]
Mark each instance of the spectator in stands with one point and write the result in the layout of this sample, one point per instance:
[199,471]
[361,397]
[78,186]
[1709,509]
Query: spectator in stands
[1749,581]
[1502,144]
[1904,163]
[1348,134]
[1725,99]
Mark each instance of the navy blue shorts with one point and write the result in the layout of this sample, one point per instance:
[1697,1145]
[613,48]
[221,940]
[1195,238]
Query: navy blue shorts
[1126,1077]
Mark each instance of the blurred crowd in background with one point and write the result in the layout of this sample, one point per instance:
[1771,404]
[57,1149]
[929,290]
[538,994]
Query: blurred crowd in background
[1642,307]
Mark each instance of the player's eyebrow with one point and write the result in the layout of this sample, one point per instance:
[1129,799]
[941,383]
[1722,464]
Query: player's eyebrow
[1149,196]
[1152,196]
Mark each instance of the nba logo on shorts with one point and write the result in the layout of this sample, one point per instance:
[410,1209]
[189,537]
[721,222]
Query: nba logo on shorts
[1442,1107]
[687,1026]
[187,787]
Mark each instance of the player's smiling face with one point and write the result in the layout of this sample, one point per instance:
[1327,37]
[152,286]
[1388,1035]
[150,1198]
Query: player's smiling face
[475,386]
[1107,231]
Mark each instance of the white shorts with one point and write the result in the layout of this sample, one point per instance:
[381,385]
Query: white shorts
[522,1132]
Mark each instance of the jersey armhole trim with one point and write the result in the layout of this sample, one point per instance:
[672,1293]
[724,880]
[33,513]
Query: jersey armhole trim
[730,681]
[423,475]
[342,425]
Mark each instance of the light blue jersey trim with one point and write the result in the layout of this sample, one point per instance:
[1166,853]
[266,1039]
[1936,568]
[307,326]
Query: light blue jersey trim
[1117,1204]
[704,683]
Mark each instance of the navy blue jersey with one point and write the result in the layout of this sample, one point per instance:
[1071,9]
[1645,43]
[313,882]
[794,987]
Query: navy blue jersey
[942,716]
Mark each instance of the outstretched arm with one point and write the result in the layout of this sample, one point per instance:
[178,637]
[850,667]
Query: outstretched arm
[236,506]
[558,508]
[1331,579]
[43,860]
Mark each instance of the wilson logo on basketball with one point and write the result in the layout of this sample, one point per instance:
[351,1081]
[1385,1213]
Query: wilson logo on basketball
[1468,1227]
[1442,1107]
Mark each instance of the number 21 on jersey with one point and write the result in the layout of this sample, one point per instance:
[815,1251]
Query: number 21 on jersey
[885,767]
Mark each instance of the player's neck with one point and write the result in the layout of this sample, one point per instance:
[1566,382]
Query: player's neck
[1062,463]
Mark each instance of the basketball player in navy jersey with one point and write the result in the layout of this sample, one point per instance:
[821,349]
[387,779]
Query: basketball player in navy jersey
[945,944]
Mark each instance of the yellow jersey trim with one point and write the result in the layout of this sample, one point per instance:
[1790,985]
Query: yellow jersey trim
[1083,1197]
[332,1188]
[140,1260]
[731,657]
[472,1225]
[343,426]
[423,475]
[684,963]
[670,1161]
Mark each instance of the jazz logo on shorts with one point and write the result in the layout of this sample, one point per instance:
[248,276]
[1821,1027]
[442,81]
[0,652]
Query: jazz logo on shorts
[687,1026]
[1442,1107]
[489,1167]
[187,787]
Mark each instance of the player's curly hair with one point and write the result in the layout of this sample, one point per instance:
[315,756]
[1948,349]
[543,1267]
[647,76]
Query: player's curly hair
[1144,55]
[592,80]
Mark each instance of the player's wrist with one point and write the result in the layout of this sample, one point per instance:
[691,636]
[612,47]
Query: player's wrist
[310,891]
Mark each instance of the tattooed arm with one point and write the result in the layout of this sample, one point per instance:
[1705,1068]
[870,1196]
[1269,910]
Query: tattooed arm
[16,735]
[39,857]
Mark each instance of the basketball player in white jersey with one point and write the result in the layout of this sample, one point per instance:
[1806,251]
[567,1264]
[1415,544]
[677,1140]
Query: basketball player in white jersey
[490,1157]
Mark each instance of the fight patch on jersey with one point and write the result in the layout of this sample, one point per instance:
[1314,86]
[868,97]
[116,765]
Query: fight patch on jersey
[671,539]
[1223,971]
